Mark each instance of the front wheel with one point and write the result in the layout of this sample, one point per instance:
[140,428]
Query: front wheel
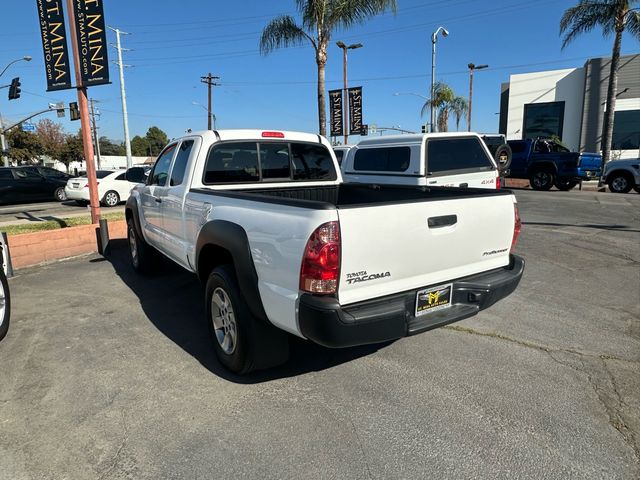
[60,194]
[565,184]
[5,304]
[111,199]
[620,183]
[541,180]
[144,259]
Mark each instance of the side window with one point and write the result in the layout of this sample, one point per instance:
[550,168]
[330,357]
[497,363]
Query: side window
[180,163]
[388,159]
[339,156]
[160,170]
[235,162]
[312,162]
[27,175]
[450,154]
[274,160]
[5,173]
[122,176]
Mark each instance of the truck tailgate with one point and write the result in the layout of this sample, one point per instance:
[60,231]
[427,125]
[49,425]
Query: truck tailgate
[388,249]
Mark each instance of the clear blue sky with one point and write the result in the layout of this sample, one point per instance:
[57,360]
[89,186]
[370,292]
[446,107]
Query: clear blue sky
[174,43]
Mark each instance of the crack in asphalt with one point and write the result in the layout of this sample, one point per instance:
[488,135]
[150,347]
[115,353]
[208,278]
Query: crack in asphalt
[614,413]
[116,457]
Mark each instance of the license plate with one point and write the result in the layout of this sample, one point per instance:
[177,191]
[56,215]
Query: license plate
[433,299]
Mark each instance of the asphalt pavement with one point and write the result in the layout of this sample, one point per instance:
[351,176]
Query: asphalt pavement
[106,374]
[42,211]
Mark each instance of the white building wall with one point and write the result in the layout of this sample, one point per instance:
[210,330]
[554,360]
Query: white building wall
[550,86]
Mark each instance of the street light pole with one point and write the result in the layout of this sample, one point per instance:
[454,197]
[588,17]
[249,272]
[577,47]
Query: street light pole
[123,95]
[434,39]
[472,67]
[345,101]
[3,141]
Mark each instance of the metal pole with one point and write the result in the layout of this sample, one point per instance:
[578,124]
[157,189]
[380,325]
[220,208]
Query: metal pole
[433,80]
[123,96]
[83,105]
[3,144]
[209,122]
[346,97]
[470,98]
[95,132]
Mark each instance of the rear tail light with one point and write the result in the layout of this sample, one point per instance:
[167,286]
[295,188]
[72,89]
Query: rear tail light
[498,185]
[517,227]
[272,135]
[87,185]
[320,270]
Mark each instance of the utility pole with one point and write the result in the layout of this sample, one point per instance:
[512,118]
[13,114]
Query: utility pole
[83,105]
[96,137]
[123,95]
[211,82]
[345,95]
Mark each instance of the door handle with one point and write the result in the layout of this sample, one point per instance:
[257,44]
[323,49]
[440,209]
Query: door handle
[158,200]
[442,221]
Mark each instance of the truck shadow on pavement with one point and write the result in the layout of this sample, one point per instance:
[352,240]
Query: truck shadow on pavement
[173,301]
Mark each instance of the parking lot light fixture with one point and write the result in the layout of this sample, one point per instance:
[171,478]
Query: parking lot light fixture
[472,67]
[344,48]
[434,39]
[26,58]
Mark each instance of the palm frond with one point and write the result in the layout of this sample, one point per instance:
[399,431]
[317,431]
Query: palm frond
[345,13]
[282,32]
[632,24]
[585,16]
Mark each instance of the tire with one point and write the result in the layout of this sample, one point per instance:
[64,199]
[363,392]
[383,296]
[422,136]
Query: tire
[620,182]
[111,199]
[59,194]
[503,156]
[5,305]
[82,203]
[242,343]
[564,184]
[541,180]
[144,258]
[637,188]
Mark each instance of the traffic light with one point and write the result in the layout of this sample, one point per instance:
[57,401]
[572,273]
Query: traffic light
[74,112]
[14,89]
[365,130]
[60,109]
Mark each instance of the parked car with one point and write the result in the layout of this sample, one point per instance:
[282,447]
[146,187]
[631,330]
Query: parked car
[622,175]
[113,186]
[341,151]
[430,159]
[545,163]
[283,246]
[48,172]
[5,300]
[23,184]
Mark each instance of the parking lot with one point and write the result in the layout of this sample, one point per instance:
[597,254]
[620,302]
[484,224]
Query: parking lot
[106,374]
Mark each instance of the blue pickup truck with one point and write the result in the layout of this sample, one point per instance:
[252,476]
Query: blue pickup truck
[545,163]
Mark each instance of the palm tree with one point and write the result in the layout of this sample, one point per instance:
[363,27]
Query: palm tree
[459,106]
[320,18]
[442,98]
[614,16]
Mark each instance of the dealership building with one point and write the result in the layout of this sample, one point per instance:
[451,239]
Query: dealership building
[570,104]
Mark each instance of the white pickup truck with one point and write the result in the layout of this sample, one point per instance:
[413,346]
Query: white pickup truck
[283,246]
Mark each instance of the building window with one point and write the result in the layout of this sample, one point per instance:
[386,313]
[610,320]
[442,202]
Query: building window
[543,120]
[626,130]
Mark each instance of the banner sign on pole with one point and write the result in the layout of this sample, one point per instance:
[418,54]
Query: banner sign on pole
[355,111]
[92,42]
[335,112]
[54,44]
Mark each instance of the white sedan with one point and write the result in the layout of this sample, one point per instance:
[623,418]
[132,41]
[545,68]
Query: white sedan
[113,187]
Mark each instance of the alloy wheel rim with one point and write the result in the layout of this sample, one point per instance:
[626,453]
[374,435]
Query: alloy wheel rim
[619,183]
[540,179]
[3,303]
[111,199]
[223,320]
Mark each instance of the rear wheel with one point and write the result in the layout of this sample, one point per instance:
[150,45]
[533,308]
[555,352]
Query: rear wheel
[620,182]
[144,259]
[111,199]
[565,184]
[59,194]
[5,305]
[541,180]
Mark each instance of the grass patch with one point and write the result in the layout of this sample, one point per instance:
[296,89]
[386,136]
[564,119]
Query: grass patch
[56,224]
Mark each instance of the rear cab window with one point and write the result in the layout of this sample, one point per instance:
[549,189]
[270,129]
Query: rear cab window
[446,156]
[267,161]
[382,159]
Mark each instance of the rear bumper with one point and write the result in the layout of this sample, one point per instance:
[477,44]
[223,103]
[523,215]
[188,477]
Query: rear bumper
[77,194]
[324,321]
[585,174]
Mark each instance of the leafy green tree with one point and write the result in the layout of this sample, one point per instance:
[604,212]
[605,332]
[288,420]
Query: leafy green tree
[613,16]
[139,146]
[157,140]
[320,18]
[109,147]
[459,107]
[442,97]
[24,147]
[72,150]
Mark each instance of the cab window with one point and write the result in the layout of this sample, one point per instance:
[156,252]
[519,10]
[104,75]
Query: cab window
[160,171]
[180,163]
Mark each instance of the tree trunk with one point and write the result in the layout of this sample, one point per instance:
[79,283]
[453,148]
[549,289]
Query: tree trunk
[321,61]
[607,128]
